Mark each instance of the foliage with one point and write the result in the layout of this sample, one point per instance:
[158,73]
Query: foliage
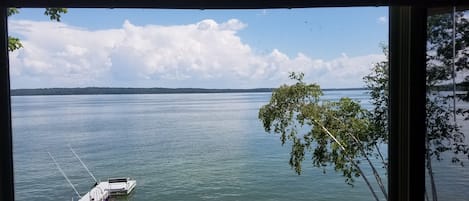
[12,11]
[440,46]
[341,133]
[377,83]
[14,43]
[335,133]
[443,133]
[53,13]
[440,50]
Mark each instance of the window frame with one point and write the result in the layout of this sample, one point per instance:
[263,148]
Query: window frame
[407,40]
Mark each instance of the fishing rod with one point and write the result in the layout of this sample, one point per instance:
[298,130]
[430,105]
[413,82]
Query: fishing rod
[63,173]
[86,168]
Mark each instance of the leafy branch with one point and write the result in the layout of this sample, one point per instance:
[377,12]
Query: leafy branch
[334,132]
[54,14]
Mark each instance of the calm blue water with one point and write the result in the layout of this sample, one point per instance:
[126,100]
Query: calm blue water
[177,147]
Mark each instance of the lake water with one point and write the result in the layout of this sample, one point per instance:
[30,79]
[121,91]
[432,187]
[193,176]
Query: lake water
[177,147]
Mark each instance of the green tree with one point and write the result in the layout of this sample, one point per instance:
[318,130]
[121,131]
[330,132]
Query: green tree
[377,84]
[334,133]
[341,133]
[443,132]
[440,46]
[53,13]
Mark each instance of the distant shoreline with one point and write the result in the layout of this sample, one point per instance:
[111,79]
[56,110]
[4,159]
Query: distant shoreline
[118,90]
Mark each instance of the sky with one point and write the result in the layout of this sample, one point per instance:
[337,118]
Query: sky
[334,47]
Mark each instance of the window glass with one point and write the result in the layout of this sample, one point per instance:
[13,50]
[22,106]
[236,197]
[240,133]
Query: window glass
[447,106]
[182,101]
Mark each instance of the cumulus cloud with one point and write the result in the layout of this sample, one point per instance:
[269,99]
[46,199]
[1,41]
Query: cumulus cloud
[203,54]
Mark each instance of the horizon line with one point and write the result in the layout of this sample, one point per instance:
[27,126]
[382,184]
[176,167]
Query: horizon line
[175,88]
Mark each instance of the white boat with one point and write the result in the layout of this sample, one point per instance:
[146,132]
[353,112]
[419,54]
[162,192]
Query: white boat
[121,186]
[105,189]
[102,190]
[97,193]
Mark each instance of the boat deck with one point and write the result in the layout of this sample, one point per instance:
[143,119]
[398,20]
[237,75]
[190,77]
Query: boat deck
[98,193]
[121,186]
[105,189]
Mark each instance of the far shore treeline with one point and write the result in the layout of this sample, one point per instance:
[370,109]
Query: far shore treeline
[114,90]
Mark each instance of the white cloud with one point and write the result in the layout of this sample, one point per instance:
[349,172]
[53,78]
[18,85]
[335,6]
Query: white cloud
[382,20]
[203,54]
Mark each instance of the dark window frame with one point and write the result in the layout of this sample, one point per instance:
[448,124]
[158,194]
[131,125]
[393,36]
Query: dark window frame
[407,40]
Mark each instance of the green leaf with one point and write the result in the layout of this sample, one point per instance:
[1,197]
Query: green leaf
[55,13]
[14,44]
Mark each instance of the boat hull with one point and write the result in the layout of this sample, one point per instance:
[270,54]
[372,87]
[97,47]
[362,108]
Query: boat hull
[113,187]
